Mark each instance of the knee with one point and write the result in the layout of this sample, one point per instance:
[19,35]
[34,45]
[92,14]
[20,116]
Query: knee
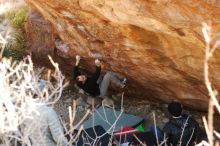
[108,74]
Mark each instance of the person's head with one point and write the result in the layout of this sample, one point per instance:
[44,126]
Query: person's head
[81,79]
[175,109]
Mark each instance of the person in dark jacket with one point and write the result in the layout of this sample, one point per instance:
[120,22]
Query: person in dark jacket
[90,85]
[180,130]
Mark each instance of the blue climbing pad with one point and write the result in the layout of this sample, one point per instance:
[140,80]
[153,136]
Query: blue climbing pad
[106,117]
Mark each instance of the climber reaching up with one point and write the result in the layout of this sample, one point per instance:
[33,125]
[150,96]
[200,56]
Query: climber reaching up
[90,84]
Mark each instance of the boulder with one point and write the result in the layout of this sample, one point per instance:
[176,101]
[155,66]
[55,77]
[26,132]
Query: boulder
[157,44]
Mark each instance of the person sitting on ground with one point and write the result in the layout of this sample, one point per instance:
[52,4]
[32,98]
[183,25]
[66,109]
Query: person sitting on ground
[44,127]
[180,129]
[90,84]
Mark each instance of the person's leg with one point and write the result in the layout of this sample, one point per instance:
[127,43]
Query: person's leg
[99,80]
[157,132]
[107,79]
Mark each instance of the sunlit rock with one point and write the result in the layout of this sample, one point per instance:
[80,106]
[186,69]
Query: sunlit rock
[157,44]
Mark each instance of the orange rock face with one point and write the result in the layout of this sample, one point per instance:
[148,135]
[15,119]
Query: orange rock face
[157,44]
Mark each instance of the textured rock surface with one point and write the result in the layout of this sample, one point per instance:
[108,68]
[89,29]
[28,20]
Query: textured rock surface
[157,44]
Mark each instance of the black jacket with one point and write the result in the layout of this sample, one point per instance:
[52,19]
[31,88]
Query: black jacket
[90,86]
[174,128]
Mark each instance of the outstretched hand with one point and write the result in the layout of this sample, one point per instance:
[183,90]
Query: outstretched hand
[97,62]
[77,59]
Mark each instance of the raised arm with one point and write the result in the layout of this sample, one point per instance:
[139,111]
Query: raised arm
[97,73]
[76,67]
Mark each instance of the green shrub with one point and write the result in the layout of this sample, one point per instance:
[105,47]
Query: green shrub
[6,52]
[10,14]
[17,49]
[19,17]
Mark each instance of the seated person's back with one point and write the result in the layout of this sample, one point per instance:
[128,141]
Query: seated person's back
[44,129]
[181,129]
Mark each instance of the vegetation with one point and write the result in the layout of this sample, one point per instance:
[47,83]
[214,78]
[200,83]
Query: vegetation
[17,19]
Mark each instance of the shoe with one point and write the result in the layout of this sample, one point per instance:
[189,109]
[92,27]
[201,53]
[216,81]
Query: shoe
[124,81]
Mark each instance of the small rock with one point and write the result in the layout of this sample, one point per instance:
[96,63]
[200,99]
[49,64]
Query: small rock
[93,101]
[80,108]
[90,100]
[116,98]
[108,102]
[158,111]
[81,102]
[147,106]
[165,120]
[67,100]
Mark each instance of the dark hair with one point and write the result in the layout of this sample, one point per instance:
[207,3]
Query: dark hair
[78,82]
[175,108]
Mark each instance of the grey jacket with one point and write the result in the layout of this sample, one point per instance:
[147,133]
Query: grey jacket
[44,129]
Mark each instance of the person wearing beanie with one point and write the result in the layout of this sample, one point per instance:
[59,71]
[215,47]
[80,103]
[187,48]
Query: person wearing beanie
[180,130]
[175,109]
